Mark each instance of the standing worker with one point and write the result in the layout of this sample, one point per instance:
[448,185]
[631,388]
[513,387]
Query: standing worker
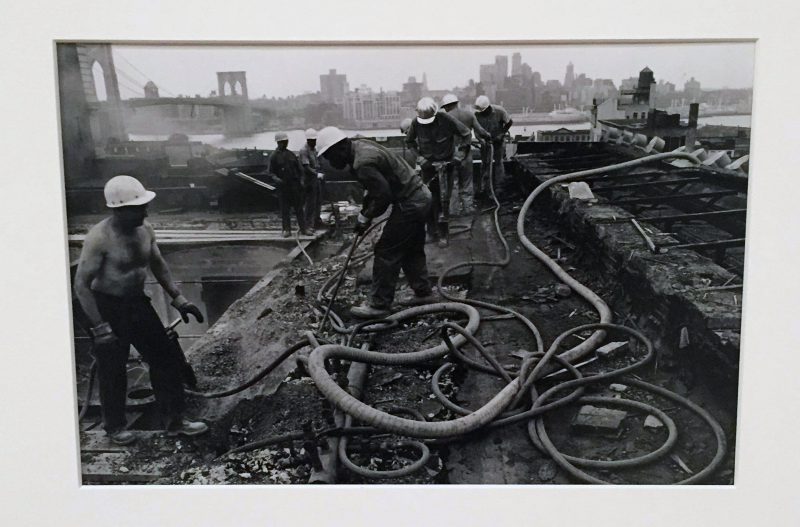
[463,154]
[286,171]
[312,180]
[387,180]
[495,120]
[109,285]
[432,136]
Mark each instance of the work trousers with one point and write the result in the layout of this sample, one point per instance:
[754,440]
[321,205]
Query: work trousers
[313,202]
[431,176]
[461,201]
[134,321]
[292,198]
[482,180]
[402,246]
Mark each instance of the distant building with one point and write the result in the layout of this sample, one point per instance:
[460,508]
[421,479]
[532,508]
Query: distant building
[150,90]
[333,87]
[691,90]
[570,76]
[516,65]
[364,108]
[487,74]
[564,135]
[412,91]
[501,68]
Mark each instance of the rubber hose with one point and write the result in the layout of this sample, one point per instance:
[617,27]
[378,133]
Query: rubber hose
[669,443]
[587,294]
[288,352]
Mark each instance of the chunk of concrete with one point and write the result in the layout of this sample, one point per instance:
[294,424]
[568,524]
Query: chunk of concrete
[612,348]
[580,190]
[603,420]
[619,388]
[652,421]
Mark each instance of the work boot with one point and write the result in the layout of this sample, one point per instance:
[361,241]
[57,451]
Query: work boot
[185,427]
[121,437]
[286,233]
[413,299]
[307,232]
[366,310]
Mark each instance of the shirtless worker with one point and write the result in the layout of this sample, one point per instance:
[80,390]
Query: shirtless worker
[109,285]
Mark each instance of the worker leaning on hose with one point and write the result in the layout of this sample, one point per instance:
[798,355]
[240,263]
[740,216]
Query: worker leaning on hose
[312,180]
[495,120]
[387,180]
[287,173]
[463,155]
[109,284]
[433,136]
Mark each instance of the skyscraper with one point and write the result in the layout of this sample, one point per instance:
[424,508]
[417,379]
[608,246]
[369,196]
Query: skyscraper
[333,87]
[569,78]
[516,64]
[501,67]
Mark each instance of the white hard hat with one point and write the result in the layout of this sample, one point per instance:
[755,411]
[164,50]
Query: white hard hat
[281,136]
[311,133]
[124,191]
[481,103]
[449,99]
[327,137]
[405,124]
[426,104]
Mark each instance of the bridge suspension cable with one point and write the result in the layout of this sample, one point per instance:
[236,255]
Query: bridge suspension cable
[140,72]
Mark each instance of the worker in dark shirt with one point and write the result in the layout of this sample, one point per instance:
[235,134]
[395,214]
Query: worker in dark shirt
[387,180]
[312,180]
[287,173]
[433,136]
[495,120]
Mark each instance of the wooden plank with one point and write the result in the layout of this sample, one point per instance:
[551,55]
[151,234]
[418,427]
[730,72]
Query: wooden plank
[115,467]
[96,441]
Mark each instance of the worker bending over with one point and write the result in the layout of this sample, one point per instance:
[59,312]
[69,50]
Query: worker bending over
[109,285]
[463,155]
[387,180]
[432,136]
[495,120]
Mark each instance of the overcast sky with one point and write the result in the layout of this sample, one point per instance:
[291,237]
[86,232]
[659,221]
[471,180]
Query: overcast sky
[281,71]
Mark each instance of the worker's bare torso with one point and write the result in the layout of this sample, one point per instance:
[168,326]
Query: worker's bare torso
[126,257]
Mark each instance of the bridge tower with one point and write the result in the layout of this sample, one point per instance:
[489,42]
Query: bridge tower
[91,108]
[238,120]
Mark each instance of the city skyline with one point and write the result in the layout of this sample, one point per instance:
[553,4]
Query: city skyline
[190,70]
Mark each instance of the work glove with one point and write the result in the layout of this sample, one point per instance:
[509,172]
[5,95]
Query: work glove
[320,176]
[362,224]
[103,337]
[185,308]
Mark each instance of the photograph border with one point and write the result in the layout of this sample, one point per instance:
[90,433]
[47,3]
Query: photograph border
[39,444]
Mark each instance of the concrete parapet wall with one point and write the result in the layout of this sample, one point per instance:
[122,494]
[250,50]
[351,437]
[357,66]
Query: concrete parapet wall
[666,288]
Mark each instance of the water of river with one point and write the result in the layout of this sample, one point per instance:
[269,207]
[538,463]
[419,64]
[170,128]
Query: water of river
[266,140]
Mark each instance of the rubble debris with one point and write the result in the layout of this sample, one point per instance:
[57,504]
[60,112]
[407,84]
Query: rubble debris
[619,388]
[594,419]
[612,348]
[652,421]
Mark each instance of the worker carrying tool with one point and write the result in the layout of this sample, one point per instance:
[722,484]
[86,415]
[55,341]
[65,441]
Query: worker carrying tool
[463,156]
[433,136]
[287,173]
[387,180]
[109,285]
[495,120]
[312,181]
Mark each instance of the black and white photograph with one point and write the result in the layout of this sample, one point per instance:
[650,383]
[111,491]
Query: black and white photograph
[406,264]
[371,263]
